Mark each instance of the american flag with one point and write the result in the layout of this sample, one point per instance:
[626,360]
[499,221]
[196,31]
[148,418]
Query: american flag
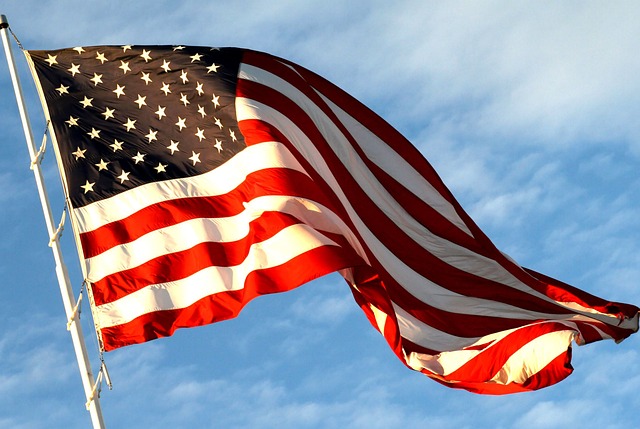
[199,178]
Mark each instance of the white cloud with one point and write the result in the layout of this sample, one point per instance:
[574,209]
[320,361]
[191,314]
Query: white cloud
[32,358]
[550,415]
[38,373]
[11,423]
[323,309]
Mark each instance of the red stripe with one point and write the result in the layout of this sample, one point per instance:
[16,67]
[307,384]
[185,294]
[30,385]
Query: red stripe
[557,370]
[274,181]
[455,324]
[357,110]
[256,131]
[487,363]
[179,265]
[418,209]
[460,325]
[566,293]
[226,305]
[589,330]
[304,80]
[393,237]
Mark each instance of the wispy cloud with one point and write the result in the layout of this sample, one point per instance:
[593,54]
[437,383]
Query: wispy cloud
[37,373]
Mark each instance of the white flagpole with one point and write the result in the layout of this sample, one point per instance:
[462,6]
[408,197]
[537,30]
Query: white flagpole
[68,299]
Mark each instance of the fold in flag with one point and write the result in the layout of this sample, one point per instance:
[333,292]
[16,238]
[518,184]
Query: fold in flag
[200,178]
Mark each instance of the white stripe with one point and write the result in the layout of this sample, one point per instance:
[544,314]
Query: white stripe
[427,336]
[391,162]
[216,182]
[413,282]
[183,236]
[376,149]
[380,317]
[455,255]
[533,357]
[287,244]
[453,355]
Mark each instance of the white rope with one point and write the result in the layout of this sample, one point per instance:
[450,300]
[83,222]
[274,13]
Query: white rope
[107,379]
[60,228]
[40,154]
[97,387]
[16,38]
[76,312]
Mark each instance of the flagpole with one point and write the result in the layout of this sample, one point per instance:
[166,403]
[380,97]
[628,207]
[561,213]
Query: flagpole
[66,290]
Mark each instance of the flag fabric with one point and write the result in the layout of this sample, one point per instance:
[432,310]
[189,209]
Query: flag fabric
[199,178]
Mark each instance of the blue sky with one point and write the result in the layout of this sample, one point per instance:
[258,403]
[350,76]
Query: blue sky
[526,109]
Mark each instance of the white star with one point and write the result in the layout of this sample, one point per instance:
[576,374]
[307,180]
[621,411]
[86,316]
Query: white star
[218,145]
[141,101]
[102,165]
[62,89]
[152,135]
[79,49]
[165,66]
[183,77]
[138,158]
[124,66]
[108,113]
[183,99]
[200,134]
[160,112]
[79,153]
[86,102]
[72,121]
[123,176]
[146,78]
[165,88]
[100,57]
[125,48]
[117,145]
[195,57]
[52,60]
[195,157]
[88,186]
[96,79]
[178,48]
[173,147]
[131,124]
[161,168]
[232,134]
[202,111]
[213,68]
[216,100]
[181,123]
[199,88]
[119,90]
[94,134]
[217,122]
[146,55]
[74,69]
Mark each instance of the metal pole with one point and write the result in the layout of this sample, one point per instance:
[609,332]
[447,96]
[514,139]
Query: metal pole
[66,290]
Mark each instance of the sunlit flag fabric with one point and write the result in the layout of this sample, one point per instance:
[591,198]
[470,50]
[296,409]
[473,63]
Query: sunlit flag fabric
[200,178]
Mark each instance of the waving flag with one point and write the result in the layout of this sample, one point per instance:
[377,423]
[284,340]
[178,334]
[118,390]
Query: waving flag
[200,178]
